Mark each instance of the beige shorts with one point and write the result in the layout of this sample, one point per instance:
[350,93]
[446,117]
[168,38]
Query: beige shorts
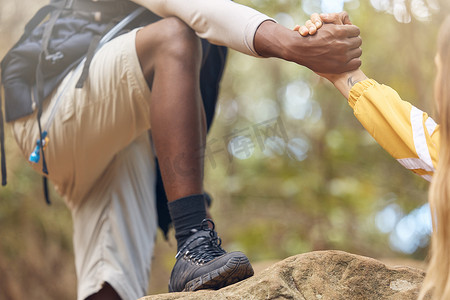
[100,159]
[94,123]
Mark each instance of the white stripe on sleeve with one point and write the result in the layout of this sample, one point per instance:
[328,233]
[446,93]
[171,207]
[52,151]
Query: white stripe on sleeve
[420,141]
[431,125]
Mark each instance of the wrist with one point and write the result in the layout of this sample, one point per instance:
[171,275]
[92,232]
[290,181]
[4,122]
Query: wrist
[344,82]
[270,39]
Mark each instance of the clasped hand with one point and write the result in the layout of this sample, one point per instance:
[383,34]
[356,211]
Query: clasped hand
[339,41]
[316,22]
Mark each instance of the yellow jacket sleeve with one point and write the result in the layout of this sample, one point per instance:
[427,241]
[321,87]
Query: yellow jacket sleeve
[406,132]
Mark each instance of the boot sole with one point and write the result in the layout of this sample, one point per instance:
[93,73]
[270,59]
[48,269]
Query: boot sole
[235,270]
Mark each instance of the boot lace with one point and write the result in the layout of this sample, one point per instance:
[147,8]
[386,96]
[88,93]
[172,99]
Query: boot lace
[206,250]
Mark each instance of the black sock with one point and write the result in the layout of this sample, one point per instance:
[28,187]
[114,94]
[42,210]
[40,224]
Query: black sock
[187,213]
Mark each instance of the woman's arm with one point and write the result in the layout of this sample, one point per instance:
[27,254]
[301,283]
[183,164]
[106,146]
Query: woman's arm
[406,132]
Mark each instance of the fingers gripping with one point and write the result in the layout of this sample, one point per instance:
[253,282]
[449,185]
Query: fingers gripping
[311,26]
[316,21]
[341,18]
[345,18]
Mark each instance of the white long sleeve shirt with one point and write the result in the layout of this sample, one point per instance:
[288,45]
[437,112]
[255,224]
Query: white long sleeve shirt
[221,22]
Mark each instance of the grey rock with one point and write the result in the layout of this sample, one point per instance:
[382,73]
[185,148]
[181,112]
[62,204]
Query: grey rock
[320,275]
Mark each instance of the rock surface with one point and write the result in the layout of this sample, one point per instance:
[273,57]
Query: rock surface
[326,275]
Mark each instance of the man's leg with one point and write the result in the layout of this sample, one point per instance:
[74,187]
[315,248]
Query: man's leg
[170,56]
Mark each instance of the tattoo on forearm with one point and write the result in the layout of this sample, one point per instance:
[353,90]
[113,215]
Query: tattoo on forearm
[352,82]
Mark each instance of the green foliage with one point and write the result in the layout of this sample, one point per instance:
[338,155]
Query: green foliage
[330,199]
[278,201]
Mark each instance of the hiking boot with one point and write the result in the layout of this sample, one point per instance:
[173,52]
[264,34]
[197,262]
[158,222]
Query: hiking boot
[203,264]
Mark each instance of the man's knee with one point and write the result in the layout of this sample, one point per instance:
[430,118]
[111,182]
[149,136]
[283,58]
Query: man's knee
[181,41]
[170,36]
[167,40]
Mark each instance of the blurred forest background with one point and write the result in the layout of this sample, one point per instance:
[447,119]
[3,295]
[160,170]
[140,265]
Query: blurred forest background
[289,167]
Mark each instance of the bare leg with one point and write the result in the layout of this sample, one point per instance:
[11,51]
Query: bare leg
[106,293]
[170,57]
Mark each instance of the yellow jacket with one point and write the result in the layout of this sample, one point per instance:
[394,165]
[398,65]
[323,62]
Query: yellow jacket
[406,132]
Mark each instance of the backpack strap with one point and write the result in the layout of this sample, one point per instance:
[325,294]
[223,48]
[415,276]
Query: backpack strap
[40,86]
[37,19]
[113,29]
[2,143]
[45,55]
[29,27]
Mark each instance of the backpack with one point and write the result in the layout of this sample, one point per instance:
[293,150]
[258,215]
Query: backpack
[48,50]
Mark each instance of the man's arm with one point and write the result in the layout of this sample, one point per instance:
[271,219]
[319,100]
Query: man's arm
[221,22]
[334,49]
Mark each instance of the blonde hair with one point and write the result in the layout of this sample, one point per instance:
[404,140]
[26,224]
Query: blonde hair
[437,280]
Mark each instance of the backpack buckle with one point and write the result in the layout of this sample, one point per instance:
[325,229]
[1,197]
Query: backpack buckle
[55,57]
